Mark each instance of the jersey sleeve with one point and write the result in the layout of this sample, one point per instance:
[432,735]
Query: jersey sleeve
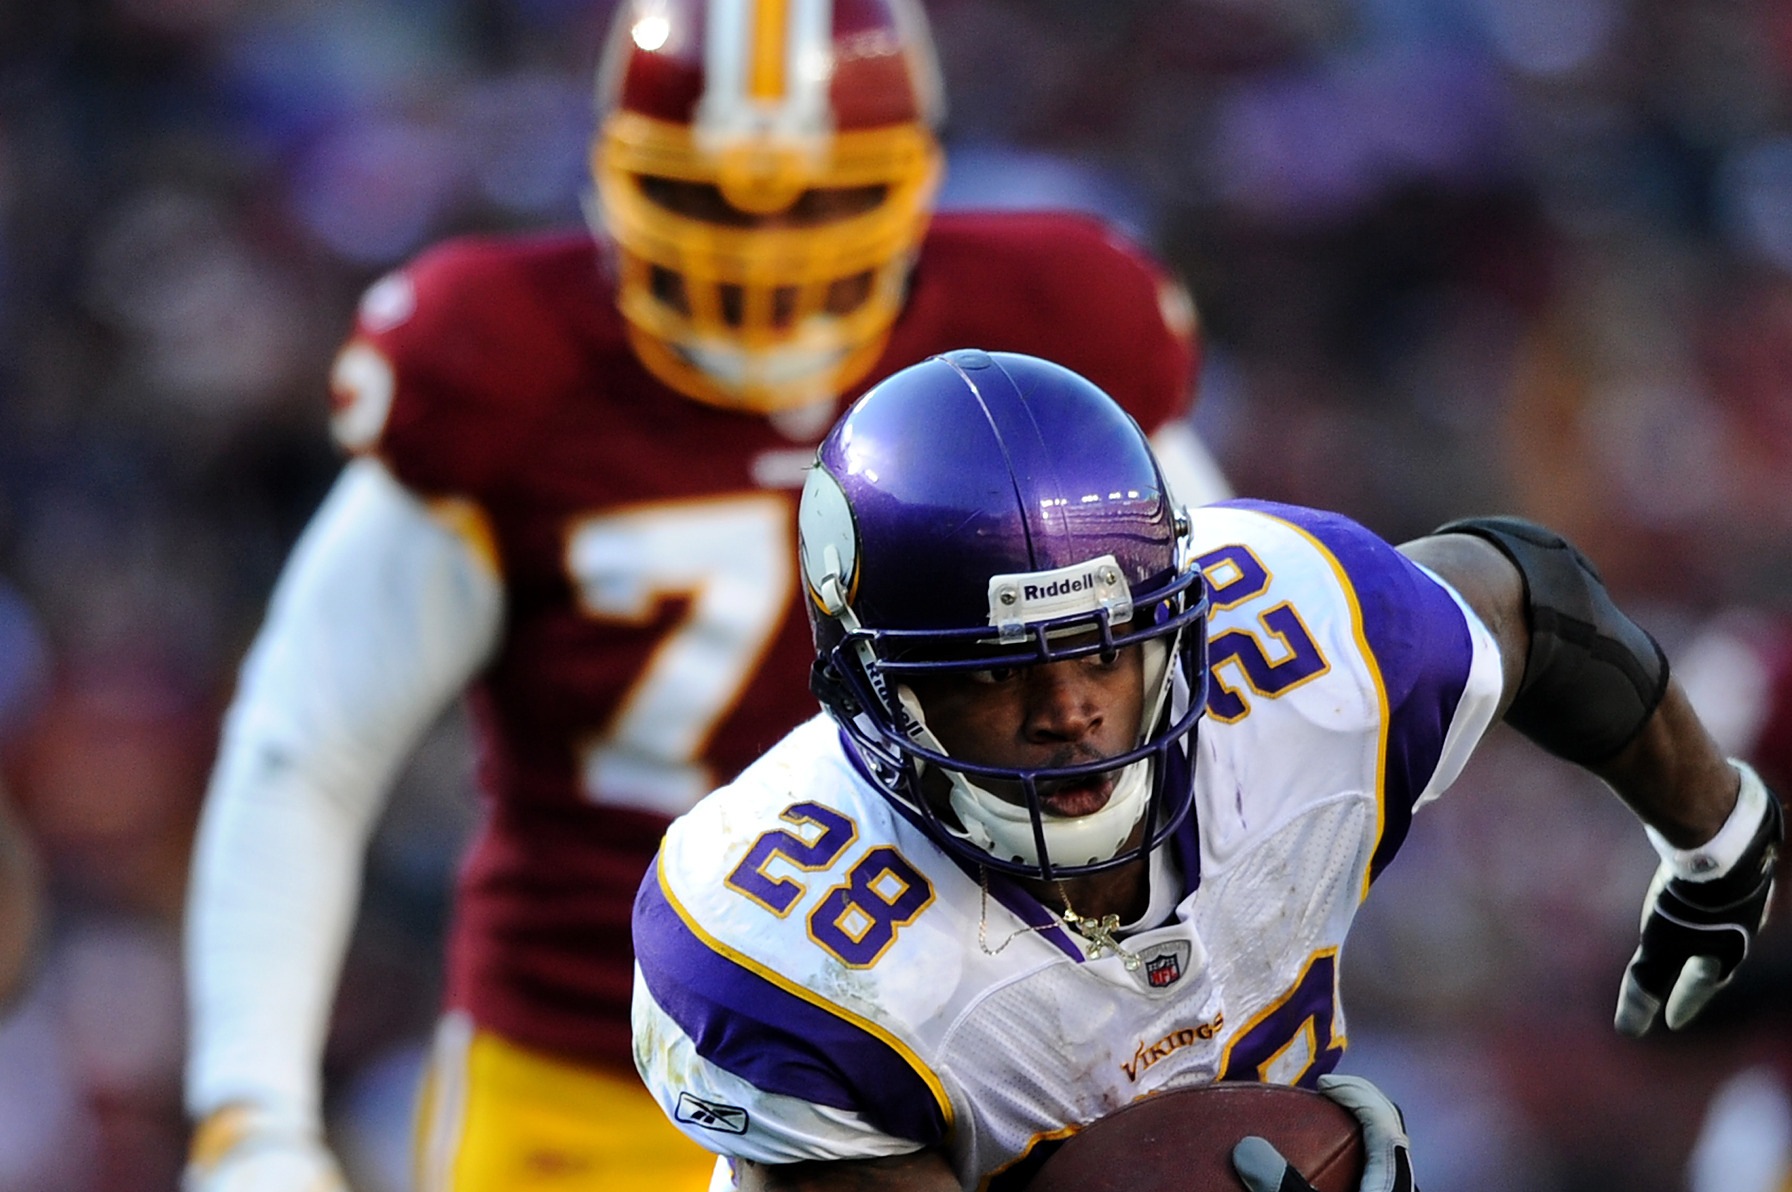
[1437,666]
[448,368]
[746,1061]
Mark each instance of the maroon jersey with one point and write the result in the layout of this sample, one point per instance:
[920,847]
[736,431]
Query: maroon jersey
[653,644]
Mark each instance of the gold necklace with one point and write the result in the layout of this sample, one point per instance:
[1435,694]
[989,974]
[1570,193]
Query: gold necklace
[1098,932]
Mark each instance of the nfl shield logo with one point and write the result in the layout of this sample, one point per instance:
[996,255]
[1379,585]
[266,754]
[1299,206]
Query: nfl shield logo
[1163,970]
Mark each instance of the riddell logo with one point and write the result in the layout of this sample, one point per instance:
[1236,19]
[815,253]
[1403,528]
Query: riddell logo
[1149,1053]
[1060,587]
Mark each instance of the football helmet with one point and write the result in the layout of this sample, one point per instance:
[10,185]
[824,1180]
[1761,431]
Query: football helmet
[990,510]
[765,170]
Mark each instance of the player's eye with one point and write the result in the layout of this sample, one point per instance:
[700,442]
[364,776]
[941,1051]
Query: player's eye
[995,675]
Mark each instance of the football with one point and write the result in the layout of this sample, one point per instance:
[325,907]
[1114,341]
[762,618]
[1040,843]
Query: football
[1181,1140]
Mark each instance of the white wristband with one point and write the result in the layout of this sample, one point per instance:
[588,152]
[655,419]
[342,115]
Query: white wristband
[1717,856]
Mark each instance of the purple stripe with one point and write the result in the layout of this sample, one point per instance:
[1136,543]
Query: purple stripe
[1421,645]
[769,1037]
[1186,840]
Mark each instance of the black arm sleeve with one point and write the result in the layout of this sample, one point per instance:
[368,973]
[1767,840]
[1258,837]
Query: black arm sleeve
[1593,676]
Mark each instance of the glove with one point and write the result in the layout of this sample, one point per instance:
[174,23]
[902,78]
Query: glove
[1387,1165]
[1702,911]
[241,1149]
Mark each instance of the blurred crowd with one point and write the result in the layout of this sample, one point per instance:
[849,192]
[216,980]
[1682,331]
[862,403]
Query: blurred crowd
[1450,256]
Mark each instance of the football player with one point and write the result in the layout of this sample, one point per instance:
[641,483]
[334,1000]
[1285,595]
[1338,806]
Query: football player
[573,491]
[1100,786]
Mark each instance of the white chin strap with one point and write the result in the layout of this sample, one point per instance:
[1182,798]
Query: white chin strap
[1005,830]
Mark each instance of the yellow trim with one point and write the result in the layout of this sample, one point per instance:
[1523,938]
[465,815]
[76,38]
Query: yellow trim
[1289,653]
[1307,1032]
[1381,691]
[219,1134]
[469,520]
[770,31]
[791,987]
[1339,1042]
[1047,1136]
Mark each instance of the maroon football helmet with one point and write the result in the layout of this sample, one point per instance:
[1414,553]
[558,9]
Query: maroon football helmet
[766,169]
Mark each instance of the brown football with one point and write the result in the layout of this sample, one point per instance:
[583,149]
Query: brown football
[1181,1140]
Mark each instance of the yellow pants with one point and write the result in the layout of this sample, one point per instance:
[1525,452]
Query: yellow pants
[494,1117]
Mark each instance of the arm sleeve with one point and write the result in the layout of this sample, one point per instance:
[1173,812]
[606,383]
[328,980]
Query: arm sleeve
[380,617]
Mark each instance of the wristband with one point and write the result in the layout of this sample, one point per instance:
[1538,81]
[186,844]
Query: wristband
[1719,855]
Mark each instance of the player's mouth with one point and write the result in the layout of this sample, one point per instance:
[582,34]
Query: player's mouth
[1085,796]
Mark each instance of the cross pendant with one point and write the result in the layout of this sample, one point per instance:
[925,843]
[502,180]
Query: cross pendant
[1100,934]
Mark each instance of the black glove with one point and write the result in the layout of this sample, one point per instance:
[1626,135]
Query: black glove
[1697,926]
[1387,1163]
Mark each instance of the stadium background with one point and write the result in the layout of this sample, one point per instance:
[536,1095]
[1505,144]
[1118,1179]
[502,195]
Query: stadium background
[1451,255]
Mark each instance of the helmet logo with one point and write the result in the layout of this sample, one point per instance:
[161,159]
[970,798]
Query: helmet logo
[1023,598]
[827,542]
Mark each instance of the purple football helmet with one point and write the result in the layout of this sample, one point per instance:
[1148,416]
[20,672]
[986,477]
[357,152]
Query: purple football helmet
[990,510]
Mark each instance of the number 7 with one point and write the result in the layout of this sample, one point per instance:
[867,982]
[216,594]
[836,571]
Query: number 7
[732,556]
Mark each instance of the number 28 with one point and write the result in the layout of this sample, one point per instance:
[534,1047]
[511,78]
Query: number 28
[856,920]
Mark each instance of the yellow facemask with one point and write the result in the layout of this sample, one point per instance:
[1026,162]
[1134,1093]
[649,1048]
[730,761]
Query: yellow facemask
[763,256]
[788,303]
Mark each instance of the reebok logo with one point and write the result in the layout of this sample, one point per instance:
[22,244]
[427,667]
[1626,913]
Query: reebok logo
[711,1115]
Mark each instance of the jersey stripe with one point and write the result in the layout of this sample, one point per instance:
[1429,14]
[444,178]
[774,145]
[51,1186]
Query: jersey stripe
[773,1033]
[1414,641]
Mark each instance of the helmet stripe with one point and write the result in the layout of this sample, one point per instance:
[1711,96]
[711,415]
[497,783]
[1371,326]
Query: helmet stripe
[724,53]
[770,18]
[766,67]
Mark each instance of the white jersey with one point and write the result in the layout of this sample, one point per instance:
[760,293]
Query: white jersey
[818,979]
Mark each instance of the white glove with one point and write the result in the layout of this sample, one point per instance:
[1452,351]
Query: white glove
[239,1149]
[1387,1151]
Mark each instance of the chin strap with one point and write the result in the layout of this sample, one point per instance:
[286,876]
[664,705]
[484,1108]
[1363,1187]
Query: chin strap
[1004,829]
